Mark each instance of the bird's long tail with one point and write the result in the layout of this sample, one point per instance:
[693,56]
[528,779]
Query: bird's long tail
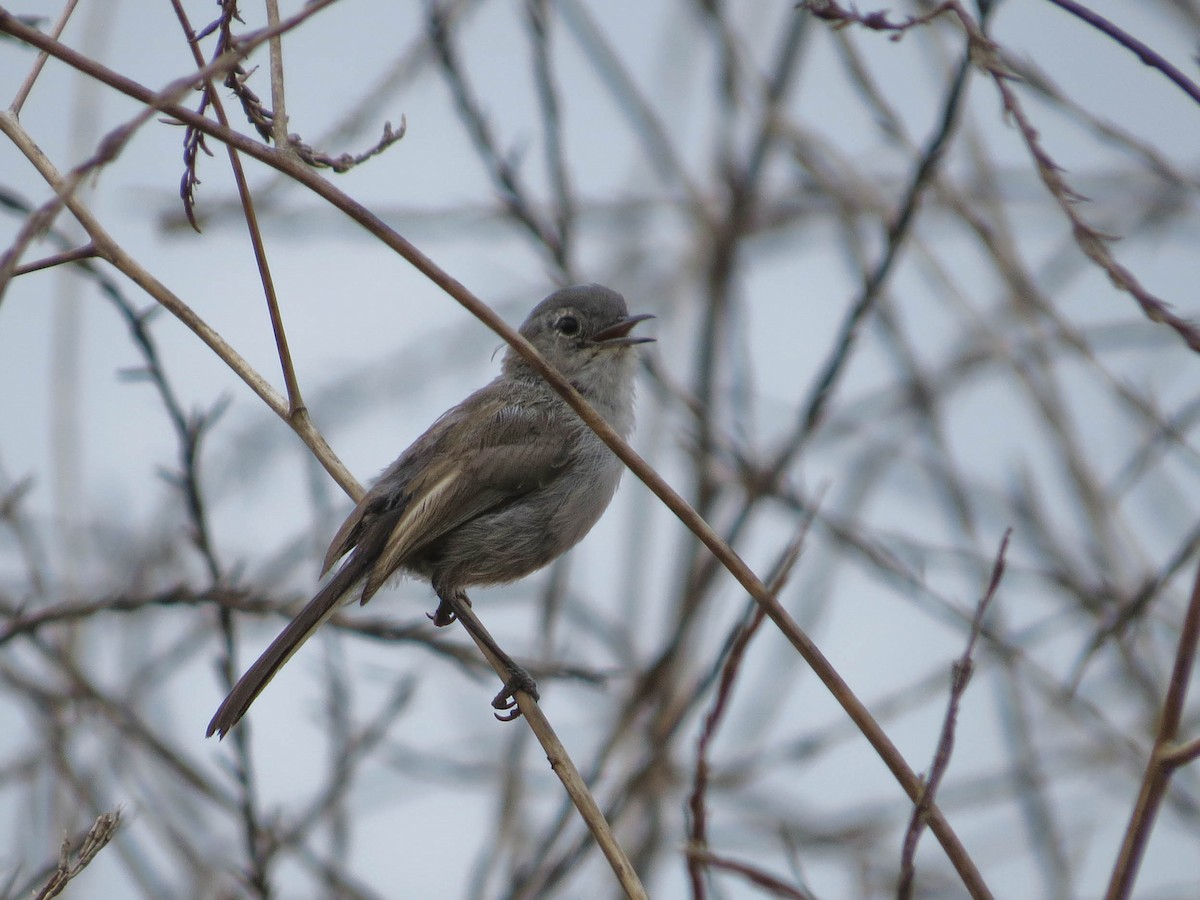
[299,630]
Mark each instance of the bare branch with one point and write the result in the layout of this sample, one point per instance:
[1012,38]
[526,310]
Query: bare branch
[960,678]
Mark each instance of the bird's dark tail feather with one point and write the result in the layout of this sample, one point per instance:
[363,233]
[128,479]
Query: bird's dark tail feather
[299,630]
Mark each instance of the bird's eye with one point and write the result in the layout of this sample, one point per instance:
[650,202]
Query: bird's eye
[568,325]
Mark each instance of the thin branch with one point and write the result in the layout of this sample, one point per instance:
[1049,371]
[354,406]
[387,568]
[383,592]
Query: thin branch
[774,886]
[1181,755]
[1162,763]
[37,223]
[279,118]
[730,667]
[344,162]
[500,167]
[1146,54]
[959,679]
[537,14]
[87,251]
[897,232]
[27,86]
[283,350]
[564,767]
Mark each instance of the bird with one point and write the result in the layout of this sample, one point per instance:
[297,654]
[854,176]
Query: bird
[497,487]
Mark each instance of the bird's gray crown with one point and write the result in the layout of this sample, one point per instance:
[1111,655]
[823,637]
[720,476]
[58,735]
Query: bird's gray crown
[595,305]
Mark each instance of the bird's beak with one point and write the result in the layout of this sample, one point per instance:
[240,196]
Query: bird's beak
[617,334]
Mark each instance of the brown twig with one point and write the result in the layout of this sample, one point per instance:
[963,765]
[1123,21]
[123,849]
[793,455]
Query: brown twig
[538,16]
[279,116]
[898,229]
[36,69]
[1164,758]
[773,885]
[1144,52]
[959,679]
[87,251]
[501,168]
[344,162]
[731,665]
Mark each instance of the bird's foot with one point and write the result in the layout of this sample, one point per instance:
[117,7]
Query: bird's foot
[506,701]
[444,614]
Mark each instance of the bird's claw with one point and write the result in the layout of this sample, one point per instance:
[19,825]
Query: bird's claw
[506,701]
[513,713]
[444,615]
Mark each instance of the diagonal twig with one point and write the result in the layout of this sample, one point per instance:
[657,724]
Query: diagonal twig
[959,679]
[1164,758]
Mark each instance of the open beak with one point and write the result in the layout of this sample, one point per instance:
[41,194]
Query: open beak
[617,334]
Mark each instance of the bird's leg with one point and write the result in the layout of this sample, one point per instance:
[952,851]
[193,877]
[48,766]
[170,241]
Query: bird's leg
[454,604]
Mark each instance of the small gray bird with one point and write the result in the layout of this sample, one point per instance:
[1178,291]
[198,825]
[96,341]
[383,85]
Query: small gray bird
[498,487]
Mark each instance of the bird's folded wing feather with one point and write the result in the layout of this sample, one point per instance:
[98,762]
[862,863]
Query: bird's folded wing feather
[492,477]
[516,452]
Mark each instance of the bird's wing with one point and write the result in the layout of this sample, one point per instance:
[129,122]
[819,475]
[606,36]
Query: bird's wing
[394,490]
[519,454]
[492,477]
[373,504]
[468,462]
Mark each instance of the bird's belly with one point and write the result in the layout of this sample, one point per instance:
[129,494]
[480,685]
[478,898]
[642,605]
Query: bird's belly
[508,543]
